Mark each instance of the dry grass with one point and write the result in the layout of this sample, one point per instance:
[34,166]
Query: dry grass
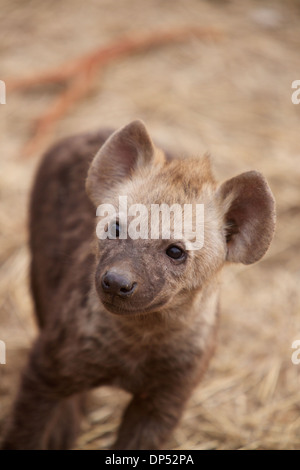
[232,98]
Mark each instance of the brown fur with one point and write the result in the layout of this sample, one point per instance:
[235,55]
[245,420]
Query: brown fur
[156,344]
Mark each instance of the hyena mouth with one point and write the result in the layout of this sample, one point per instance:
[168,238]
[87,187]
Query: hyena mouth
[119,309]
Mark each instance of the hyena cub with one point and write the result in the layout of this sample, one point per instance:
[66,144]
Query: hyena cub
[139,314]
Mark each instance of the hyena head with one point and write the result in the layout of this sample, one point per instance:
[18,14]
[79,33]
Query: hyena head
[165,228]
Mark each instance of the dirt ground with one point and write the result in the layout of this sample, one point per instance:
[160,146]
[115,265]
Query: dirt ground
[230,97]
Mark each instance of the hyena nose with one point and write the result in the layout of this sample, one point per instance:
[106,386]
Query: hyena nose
[117,284]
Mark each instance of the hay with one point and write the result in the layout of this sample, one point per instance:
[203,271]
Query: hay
[231,98]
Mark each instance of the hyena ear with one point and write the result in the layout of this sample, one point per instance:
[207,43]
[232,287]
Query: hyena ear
[125,150]
[249,216]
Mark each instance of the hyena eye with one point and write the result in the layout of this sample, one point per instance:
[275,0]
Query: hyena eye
[175,252]
[114,230]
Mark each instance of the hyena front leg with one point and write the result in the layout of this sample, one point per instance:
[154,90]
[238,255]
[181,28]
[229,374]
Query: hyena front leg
[65,424]
[150,419]
[45,411]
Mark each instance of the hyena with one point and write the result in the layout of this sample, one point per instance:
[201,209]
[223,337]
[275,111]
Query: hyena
[136,314]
